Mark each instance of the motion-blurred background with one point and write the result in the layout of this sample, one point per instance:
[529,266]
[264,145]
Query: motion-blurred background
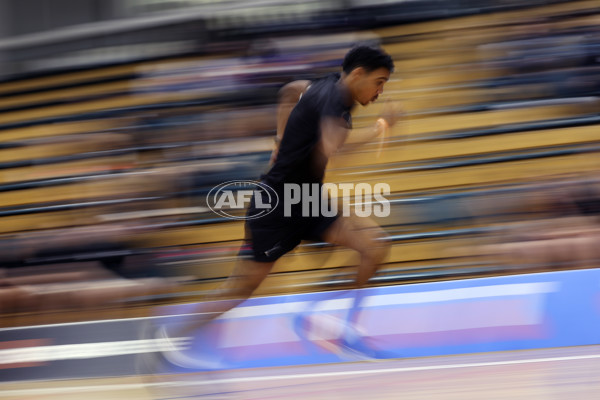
[118,116]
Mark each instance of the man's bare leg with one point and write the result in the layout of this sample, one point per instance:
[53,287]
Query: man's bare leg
[364,236]
[246,276]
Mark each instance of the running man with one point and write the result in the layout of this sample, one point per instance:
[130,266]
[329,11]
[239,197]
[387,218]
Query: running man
[317,127]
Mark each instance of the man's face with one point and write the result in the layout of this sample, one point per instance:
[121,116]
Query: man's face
[369,85]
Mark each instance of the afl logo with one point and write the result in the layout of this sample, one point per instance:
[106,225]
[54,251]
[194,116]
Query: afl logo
[229,199]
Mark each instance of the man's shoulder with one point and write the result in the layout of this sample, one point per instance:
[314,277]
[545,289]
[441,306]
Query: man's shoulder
[291,92]
[327,81]
[323,90]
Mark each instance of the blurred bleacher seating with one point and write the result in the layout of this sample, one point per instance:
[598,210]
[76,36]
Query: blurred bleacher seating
[103,171]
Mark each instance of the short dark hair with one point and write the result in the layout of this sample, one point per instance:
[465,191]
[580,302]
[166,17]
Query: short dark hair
[368,57]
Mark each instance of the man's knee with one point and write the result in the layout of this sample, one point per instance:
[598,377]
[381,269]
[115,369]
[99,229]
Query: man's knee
[369,240]
[377,250]
[373,242]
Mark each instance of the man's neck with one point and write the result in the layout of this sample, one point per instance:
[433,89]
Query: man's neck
[345,90]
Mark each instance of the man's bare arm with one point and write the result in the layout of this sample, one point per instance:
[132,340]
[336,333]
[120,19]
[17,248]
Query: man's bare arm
[334,133]
[289,95]
[391,114]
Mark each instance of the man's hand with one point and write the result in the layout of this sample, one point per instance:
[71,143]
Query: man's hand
[392,112]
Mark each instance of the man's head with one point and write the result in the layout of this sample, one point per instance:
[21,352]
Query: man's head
[366,69]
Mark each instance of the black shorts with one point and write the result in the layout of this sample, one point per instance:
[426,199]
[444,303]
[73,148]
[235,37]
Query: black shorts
[269,237]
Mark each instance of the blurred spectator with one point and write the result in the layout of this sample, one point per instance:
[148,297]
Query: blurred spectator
[563,229]
[546,60]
